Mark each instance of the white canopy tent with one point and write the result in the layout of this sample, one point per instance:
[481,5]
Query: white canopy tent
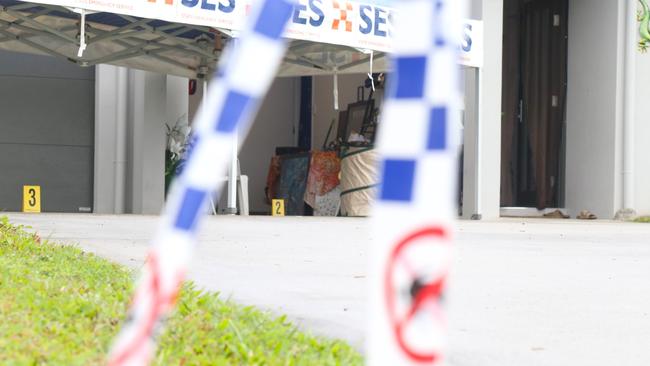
[186,37]
[170,37]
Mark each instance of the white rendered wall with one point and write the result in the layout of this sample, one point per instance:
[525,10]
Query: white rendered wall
[594,114]
[470,146]
[105,139]
[276,125]
[177,99]
[146,141]
[323,103]
[151,101]
[482,185]
[475,9]
[642,135]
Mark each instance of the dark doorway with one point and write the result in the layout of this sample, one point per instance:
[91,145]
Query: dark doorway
[304,125]
[534,100]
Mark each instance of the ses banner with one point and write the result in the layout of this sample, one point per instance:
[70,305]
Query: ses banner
[342,22]
[471,46]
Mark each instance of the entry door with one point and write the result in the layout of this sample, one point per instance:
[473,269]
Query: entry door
[534,95]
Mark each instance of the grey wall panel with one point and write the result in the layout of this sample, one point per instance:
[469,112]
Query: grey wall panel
[46,111]
[63,172]
[46,132]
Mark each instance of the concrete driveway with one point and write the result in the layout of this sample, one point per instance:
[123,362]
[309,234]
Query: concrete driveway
[522,293]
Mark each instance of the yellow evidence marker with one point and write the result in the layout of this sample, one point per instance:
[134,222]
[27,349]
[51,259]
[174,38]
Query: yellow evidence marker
[277,208]
[32,199]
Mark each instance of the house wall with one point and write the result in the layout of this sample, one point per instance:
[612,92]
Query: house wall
[276,125]
[594,122]
[146,140]
[129,165]
[482,132]
[594,118]
[642,135]
[106,158]
[154,100]
[323,111]
[475,9]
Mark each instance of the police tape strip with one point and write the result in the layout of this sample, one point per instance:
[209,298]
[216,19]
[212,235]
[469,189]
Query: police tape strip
[413,217]
[232,101]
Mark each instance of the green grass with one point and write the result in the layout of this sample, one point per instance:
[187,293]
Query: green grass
[643,219]
[61,306]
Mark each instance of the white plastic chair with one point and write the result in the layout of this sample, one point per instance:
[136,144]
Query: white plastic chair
[242,193]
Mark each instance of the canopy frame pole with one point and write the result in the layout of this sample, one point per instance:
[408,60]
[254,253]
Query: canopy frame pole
[136,37]
[34,45]
[117,32]
[125,38]
[163,47]
[307,64]
[34,31]
[376,56]
[137,49]
[204,102]
[82,33]
[233,173]
[132,50]
[336,88]
[170,37]
[44,27]
[233,176]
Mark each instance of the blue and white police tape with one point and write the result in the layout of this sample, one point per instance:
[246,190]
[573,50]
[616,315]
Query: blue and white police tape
[232,101]
[413,217]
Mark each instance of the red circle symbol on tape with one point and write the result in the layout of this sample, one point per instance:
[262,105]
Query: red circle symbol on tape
[413,287]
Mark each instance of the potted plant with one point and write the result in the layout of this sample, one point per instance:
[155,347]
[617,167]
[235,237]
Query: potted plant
[178,141]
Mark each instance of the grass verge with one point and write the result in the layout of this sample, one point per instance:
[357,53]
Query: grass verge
[643,219]
[61,306]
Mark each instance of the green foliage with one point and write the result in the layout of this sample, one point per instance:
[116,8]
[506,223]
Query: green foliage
[173,165]
[643,17]
[61,306]
[643,219]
